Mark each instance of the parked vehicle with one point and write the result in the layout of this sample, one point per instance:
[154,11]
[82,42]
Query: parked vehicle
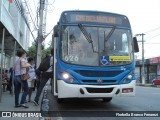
[156,81]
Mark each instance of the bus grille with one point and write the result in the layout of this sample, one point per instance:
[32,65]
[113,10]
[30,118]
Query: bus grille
[95,81]
[90,73]
[99,90]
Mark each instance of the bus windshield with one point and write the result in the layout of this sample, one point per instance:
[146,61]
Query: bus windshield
[96,46]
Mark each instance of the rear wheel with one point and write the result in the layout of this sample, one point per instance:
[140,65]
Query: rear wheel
[107,99]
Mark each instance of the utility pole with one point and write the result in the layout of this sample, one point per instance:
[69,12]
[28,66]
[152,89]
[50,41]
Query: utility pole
[40,33]
[143,70]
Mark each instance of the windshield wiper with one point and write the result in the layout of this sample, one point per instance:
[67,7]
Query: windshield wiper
[87,35]
[106,38]
[109,35]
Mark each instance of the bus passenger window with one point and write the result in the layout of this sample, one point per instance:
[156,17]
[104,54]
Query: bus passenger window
[125,43]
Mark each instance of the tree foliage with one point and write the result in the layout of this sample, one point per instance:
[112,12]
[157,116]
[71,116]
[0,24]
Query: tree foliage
[32,51]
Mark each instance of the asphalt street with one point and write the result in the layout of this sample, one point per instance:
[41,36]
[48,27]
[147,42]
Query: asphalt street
[146,99]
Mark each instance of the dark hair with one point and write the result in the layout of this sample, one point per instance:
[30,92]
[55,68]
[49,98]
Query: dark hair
[30,59]
[20,53]
[6,71]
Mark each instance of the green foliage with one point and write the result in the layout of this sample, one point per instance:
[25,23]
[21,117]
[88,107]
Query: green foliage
[46,52]
[32,51]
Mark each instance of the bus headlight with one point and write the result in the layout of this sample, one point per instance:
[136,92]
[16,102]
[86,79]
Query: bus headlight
[130,76]
[65,75]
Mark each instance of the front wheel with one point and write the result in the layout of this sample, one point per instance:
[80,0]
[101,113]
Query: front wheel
[107,99]
[60,100]
[153,83]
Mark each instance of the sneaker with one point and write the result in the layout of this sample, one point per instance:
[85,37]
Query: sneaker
[35,102]
[23,105]
[16,106]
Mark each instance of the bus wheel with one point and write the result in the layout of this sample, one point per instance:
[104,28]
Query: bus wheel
[60,100]
[107,99]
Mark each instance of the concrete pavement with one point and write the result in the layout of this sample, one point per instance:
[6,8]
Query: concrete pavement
[7,104]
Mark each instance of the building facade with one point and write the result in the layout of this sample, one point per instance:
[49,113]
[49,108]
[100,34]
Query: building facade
[152,69]
[14,34]
[14,29]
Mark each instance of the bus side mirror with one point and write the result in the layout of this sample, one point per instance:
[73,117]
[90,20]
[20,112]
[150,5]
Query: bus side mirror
[135,42]
[56,29]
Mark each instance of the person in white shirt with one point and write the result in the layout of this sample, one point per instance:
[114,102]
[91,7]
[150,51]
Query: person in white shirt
[32,78]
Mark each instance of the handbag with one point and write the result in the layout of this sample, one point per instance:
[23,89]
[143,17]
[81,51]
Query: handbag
[26,75]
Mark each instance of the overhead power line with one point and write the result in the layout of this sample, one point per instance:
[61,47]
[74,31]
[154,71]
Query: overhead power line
[30,11]
[152,36]
[150,31]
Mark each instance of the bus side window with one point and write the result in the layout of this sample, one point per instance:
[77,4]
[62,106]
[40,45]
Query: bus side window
[124,42]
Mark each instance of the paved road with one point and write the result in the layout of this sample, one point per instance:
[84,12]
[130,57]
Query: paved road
[147,99]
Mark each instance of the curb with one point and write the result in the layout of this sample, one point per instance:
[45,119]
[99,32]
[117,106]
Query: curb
[45,106]
[148,85]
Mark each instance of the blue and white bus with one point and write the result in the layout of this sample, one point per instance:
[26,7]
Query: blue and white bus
[93,56]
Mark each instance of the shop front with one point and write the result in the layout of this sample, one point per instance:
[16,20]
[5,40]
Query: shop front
[152,69]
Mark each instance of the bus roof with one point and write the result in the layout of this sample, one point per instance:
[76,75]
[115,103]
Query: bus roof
[92,11]
[99,17]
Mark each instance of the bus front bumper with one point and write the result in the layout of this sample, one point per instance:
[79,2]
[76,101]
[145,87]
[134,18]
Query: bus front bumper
[66,90]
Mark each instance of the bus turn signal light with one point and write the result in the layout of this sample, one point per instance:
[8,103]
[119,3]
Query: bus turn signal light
[127,90]
[71,80]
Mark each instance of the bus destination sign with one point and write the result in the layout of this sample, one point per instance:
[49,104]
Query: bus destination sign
[104,18]
[95,18]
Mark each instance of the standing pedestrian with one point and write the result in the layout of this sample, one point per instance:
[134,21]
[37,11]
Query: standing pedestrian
[6,79]
[32,78]
[10,80]
[20,70]
[46,70]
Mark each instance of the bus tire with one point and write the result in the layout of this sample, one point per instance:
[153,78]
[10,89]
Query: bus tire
[60,100]
[107,99]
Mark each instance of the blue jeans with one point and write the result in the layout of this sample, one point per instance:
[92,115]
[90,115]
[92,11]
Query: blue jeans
[43,81]
[18,83]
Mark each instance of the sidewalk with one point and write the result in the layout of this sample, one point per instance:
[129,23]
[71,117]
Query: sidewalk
[147,85]
[7,104]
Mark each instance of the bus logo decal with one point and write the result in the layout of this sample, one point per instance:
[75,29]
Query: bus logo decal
[99,81]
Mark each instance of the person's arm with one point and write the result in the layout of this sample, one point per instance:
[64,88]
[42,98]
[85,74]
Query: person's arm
[25,65]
